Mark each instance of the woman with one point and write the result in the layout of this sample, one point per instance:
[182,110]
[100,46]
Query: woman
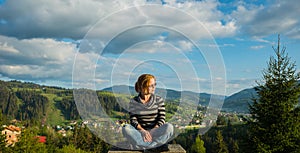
[147,128]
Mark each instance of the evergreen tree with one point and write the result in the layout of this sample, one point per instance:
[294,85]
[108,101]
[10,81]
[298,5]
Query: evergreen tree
[276,120]
[233,146]
[3,144]
[208,142]
[198,146]
[221,120]
[28,142]
[1,118]
[220,145]
[2,136]
[70,149]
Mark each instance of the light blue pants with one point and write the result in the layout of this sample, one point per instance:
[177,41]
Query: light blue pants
[160,136]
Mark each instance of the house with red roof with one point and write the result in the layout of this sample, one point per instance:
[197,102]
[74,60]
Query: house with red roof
[12,134]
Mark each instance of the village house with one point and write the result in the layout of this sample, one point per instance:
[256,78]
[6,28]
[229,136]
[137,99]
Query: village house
[12,133]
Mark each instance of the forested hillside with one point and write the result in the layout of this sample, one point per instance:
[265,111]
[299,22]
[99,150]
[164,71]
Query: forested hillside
[54,105]
[48,105]
[239,102]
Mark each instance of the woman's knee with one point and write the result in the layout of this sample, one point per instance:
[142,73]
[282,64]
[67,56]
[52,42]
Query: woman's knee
[169,127]
[126,128]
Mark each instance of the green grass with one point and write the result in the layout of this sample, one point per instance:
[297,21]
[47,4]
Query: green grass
[54,115]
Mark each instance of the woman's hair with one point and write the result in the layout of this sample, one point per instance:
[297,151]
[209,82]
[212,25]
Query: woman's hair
[143,83]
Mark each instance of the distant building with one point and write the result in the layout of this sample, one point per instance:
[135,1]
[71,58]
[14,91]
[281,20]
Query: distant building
[41,139]
[73,123]
[12,133]
[63,132]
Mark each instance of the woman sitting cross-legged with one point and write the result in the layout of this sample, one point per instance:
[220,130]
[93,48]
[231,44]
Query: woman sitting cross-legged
[147,128]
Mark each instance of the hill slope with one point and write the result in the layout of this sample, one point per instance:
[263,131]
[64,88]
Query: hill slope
[239,101]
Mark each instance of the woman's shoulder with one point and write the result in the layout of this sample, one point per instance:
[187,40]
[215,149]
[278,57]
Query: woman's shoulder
[135,99]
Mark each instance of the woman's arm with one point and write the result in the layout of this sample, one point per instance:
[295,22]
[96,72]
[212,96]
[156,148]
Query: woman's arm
[161,117]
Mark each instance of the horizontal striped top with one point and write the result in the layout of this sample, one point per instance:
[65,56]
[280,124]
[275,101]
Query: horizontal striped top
[147,115]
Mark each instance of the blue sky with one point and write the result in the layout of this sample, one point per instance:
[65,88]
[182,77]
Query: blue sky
[208,46]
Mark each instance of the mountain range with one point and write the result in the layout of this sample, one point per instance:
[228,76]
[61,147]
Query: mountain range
[237,102]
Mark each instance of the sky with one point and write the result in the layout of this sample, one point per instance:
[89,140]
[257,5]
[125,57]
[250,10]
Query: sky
[211,46]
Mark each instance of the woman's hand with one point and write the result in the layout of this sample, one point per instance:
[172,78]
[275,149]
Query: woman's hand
[146,135]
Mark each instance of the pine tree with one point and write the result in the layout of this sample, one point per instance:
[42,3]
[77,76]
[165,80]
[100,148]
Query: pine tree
[220,145]
[198,146]
[233,146]
[276,120]
[70,149]
[3,144]
[2,136]
[28,142]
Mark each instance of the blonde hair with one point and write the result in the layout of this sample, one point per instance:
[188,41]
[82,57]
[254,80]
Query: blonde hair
[143,82]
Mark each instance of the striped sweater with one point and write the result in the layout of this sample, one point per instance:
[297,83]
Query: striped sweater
[147,115]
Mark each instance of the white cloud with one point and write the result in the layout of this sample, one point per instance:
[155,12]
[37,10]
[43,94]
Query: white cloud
[73,18]
[36,58]
[152,46]
[233,86]
[261,21]
[262,40]
[257,47]
[185,45]
[218,45]
[294,33]
[49,60]
[208,14]
[219,79]
[101,81]
[244,15]
[41,18]
[7,49]
[200,79]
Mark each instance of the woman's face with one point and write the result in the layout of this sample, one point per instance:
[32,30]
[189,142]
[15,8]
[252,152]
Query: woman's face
[152,86]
